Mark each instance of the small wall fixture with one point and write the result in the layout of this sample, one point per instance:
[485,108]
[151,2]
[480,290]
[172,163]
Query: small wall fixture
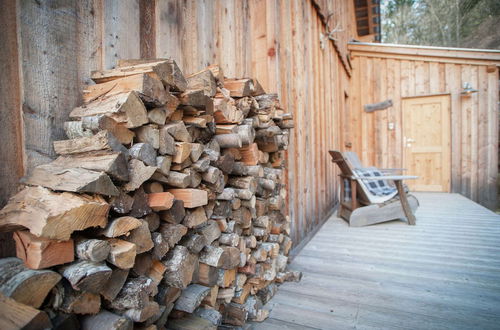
[467,89]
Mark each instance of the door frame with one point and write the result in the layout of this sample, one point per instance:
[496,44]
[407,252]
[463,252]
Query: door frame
[402,142]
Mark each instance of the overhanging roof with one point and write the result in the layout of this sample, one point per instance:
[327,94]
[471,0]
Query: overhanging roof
[426,53]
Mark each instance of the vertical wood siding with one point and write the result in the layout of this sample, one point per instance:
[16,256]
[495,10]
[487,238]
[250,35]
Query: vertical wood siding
[474,119]
[275,41]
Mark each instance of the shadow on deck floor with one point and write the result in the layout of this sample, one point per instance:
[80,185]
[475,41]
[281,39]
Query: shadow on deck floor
[443,273]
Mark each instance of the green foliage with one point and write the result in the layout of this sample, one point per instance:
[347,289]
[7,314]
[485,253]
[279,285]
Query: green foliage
[436,22]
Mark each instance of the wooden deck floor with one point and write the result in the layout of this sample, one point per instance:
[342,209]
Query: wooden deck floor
[443,273]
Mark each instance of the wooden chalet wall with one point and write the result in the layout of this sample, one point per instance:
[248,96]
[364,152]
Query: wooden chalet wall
[52,46]
[383,72]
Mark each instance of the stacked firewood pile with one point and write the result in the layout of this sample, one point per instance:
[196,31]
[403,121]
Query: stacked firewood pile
[165,207]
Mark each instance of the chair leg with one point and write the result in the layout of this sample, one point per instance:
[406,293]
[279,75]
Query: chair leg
[404,202]
[341,197]
[354,198]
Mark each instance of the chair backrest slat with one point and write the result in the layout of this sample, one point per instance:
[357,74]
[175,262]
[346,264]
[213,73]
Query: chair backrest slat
[347,170]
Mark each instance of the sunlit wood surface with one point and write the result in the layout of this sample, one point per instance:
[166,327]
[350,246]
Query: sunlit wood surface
[443,273]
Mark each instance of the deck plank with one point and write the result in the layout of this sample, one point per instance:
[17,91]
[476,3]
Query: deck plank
[443,273]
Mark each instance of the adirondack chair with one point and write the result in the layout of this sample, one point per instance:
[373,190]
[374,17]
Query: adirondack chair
[359,205]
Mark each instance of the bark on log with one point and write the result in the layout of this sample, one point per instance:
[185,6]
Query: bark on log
[29,287]
[180,265]
[86,275]
[124,108]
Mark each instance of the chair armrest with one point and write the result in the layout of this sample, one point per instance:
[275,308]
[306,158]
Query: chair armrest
[387,177]
[392,169]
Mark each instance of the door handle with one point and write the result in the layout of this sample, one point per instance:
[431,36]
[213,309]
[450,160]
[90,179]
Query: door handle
[410,140]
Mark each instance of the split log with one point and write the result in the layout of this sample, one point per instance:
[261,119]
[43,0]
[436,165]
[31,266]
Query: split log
[201,165]
[159,115]
[226,277]
[153,187]
[209,314]
[228,140]
[246,182]
[226,129]
[106,320]
[180,265]
[114,284]
[226,294]
[182,152]
[194,242]
[178,131]
[227,194]
[191,298]
[135,293]
[161,246]
[71,179]
[153,221]
[69,301]
[234,314]
[148,134]
[229,239]
[103,140]
[144,152]
[178,179]
[168,295]
[212,175]
[203,80]
[190,322]
[26,286]
[241,296]
[210,231]
[191,197]
[196,151]
[194,217]
[114,164]
[122,253]
[150,309]
[165,70]
[246,133]
[141,237]
[195,177]
[250,154]
[39,252]
[149,89]
[124,108]
[226,113]
[166,143]
[225,163]
[172,233]
[102,122]
[140,206]
[138,173]
[175,214]
[122,203]
[211,299]
[57,217]
[205,275]
[239,87]
[163,163]
[120,226]
[220,257]
[19,316]
[86,275]
[92,249]
[160,201]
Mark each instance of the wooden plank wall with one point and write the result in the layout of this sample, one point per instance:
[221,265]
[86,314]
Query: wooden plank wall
[474,119]
[276,41]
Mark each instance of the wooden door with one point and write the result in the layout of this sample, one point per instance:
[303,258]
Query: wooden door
[426,142]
